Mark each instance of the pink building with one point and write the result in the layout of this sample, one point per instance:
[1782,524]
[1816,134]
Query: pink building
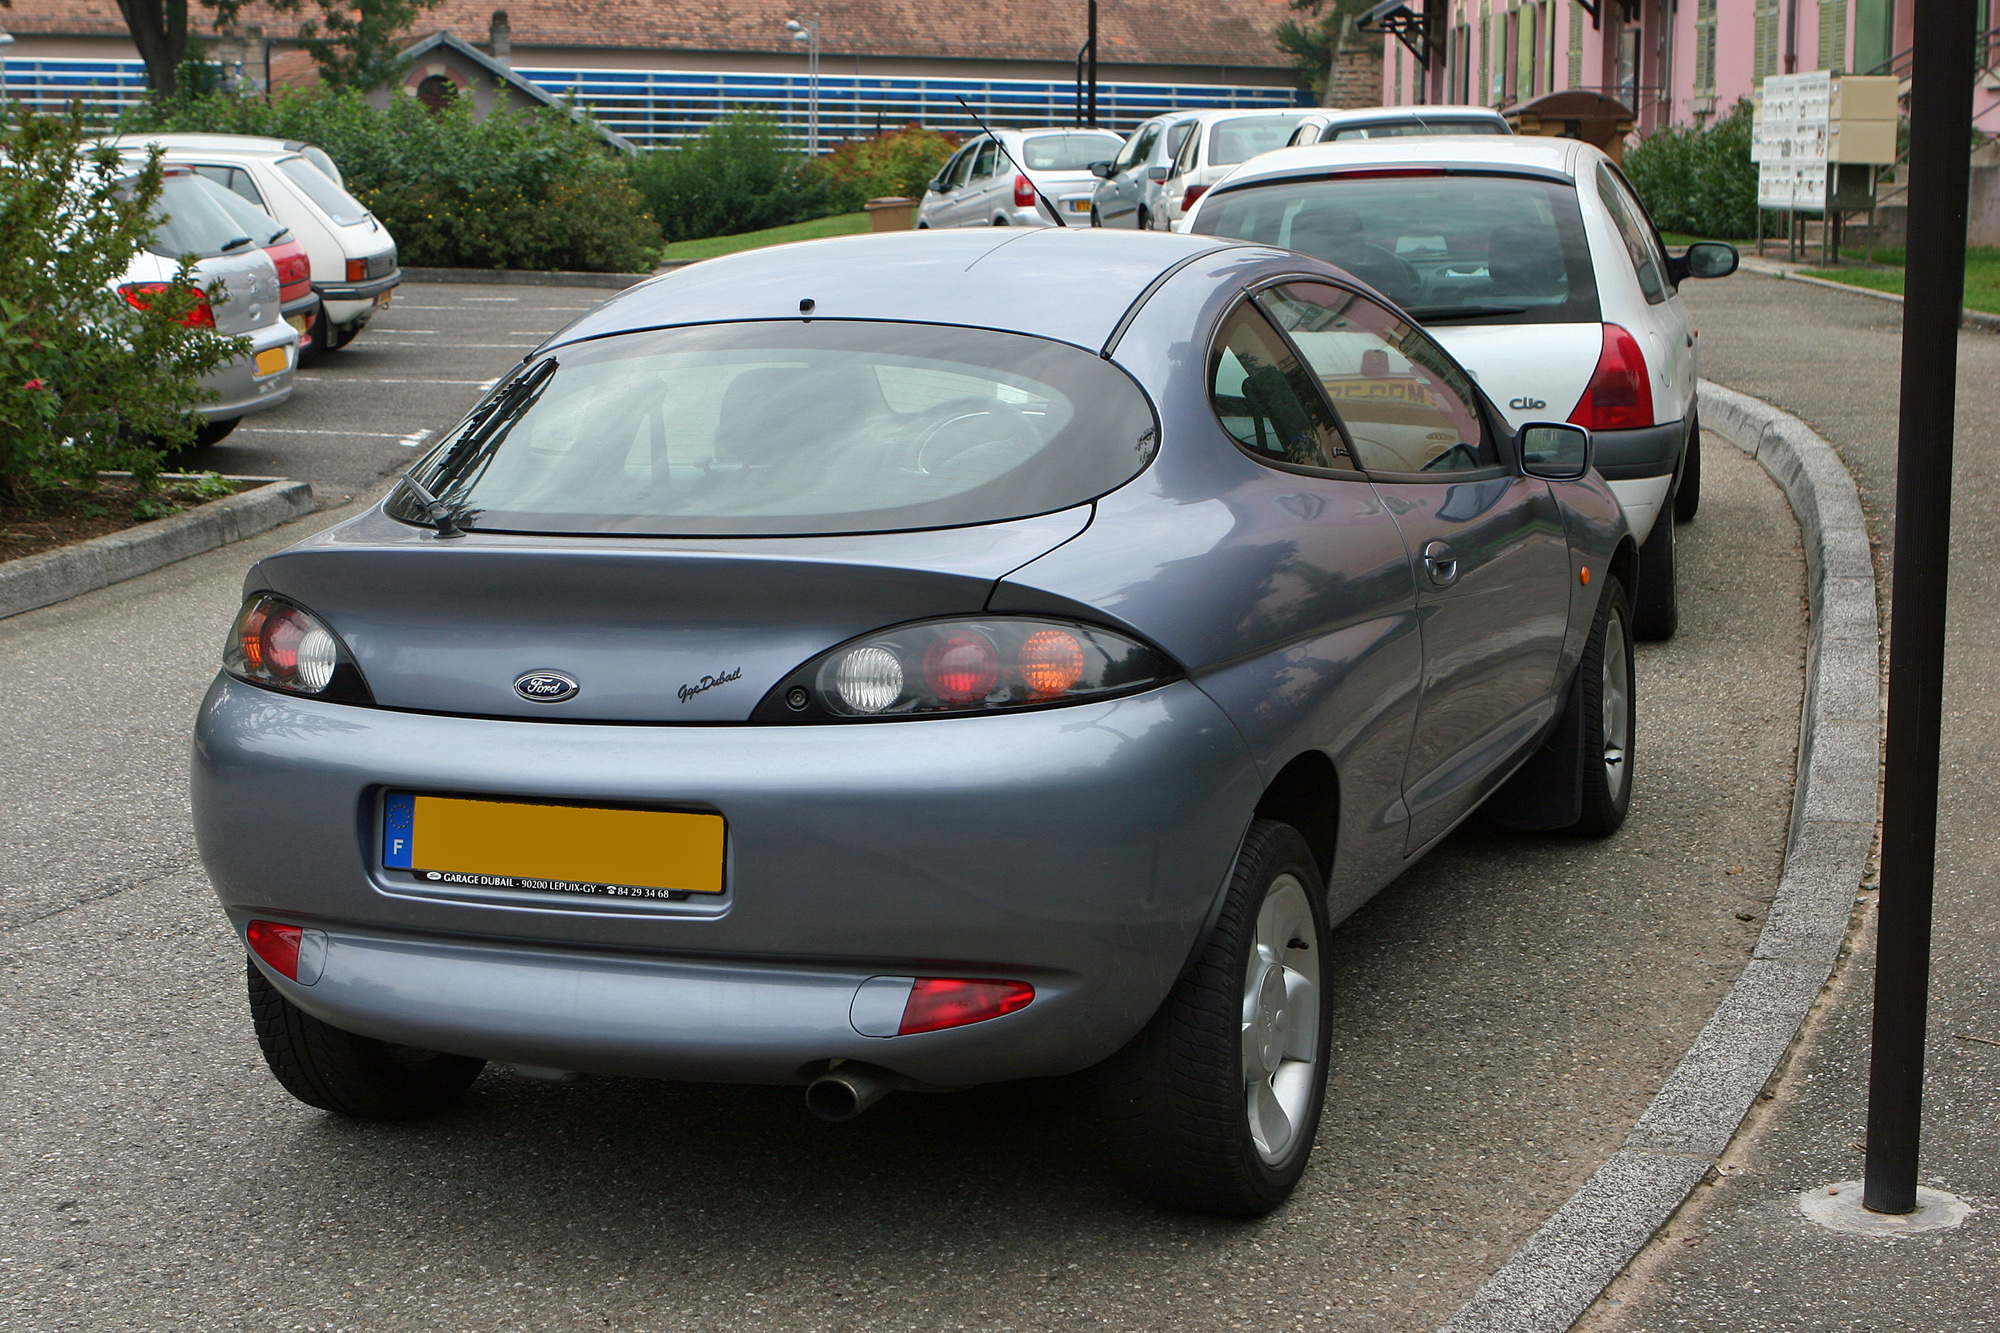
[1674,62]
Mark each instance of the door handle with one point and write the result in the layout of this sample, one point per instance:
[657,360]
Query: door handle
[1440,563]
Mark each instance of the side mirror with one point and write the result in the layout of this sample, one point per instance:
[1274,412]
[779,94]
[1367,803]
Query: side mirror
[1156,174]
[1101,170]
[936,186]
[1704,259]
[1553,451]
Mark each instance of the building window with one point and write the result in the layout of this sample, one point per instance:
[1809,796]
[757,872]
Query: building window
[1832,35]
[436,91]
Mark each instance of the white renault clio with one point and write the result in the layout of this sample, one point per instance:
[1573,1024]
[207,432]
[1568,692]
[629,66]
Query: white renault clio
[1534,263]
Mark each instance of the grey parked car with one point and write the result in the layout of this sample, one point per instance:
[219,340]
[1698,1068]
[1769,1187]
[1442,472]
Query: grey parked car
[1015,181]
[897,661]
[1128,188]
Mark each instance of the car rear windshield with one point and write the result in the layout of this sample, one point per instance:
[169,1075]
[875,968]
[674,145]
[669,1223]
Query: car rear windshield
[1234,141]
[1399,129]
[323,190]
[789,429]
[194,219]
[262,227]
[1470,248]
[1068,152]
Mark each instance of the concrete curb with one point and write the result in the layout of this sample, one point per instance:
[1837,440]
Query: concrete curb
[516,277]
[1971,319]
[1564,1266]
[55,576]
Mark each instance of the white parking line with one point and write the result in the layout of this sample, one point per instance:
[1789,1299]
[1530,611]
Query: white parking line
[412,441]
[509,347]
[301,430]
[369,379]
[470,299]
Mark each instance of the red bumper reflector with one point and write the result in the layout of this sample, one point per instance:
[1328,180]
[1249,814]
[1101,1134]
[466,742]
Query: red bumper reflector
[277,945]
[945,1002]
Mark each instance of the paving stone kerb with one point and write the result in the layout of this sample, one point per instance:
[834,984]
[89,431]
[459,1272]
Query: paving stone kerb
[1562,1268]
[55,576]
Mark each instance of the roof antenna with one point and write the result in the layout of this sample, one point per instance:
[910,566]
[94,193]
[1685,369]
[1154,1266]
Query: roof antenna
[1010,157]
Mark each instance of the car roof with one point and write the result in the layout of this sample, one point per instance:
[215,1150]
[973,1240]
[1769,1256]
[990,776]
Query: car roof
[1242,113]
[1520,153]
[1073,284]
[1417,113]
[243,144]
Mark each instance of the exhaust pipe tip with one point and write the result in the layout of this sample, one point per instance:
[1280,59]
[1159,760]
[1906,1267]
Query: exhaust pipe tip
[844,1093]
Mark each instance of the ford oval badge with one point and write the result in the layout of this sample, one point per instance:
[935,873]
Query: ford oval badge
[544,687]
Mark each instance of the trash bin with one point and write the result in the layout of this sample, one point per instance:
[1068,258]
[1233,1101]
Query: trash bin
[892,214]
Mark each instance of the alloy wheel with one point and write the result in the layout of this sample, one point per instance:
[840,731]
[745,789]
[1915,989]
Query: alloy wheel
[1281,1020]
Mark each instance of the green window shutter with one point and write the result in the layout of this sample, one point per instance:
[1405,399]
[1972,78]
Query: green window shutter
[1764,46]
[1833,35]
[1576,42]
[1704,48]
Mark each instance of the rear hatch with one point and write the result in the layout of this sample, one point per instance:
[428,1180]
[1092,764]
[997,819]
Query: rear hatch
[676,518]
[1060,166]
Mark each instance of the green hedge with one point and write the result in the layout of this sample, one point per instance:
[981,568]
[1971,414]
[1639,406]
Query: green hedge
[530,189]
[1701,182]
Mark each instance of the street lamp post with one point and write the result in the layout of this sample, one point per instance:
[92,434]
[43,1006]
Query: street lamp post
[806,31]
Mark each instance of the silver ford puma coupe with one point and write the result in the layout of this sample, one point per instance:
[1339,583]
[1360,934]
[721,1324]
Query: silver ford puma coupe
[914,661]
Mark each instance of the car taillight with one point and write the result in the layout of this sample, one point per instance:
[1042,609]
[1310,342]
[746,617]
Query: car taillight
[965,666]
[1619,395]
[1194,192]
[936,1003]
[357,270]
[286,647]
[140,296]
[1024,192]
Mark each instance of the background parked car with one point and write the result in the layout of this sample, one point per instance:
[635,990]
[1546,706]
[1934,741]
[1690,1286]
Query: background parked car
[298,303]
[1534,262]
[1128,189]
[1219,141]
[1396,122]
[981,187]
[353,256]
[194,220]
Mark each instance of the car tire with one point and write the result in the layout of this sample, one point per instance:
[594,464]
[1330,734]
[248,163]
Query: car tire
[215,432]
[1687,492]
[348,1074]
[1605,693]
[1095,220]
[1656,612]
[1145,222]
[1213,1107]
[1580,780]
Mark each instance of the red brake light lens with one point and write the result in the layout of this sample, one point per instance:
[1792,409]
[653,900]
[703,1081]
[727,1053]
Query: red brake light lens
[1620,394]
[277,945]
[1024,192]
[936,1003]
[357,270]
[1194,192]
[276,643]
[962,668]
[140,296]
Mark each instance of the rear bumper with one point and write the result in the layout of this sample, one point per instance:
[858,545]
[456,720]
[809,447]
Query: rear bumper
[1078,849]
[1628,455]
[241,388]
[358,291]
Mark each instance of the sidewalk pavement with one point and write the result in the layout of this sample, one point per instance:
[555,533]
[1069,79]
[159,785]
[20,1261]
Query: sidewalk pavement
[1739,1254]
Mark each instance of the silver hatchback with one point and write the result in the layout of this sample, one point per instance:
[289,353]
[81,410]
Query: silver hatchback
[895,662]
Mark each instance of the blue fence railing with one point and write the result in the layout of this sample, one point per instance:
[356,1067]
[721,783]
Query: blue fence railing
[656,107]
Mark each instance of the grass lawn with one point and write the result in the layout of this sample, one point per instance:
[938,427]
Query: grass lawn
[1982,276]
[1678,241]
[844,224]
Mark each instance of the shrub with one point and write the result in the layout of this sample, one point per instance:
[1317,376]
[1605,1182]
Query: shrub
[87,382]
[900,162]
[1699,182]
[521,189]
[738,175]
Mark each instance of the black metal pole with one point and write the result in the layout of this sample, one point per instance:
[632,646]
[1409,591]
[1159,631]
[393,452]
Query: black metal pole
[1090,117]
[1934,283]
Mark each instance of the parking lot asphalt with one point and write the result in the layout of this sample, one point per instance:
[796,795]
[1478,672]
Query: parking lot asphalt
[1502,1015]
[1740,1254]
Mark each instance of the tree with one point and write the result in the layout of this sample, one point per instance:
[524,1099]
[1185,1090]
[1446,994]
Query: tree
[353,42]
[1314,44]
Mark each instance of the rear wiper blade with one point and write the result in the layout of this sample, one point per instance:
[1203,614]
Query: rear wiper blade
[443,517]
[236,244]
[1462,311]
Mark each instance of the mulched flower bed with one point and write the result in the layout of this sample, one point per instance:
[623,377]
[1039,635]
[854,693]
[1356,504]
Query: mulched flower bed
[69,516]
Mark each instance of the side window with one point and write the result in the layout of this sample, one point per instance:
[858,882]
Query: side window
[1265,398]
[233,178]
[1184,163]
[953,174]
[1636,233]
[989,153]
[1139,149]
[1406,406]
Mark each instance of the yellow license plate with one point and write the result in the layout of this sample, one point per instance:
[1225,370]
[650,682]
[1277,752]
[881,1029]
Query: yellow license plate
[270,361]
[383,299]
[571,849]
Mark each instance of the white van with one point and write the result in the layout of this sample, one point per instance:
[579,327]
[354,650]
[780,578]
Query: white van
[353,256]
